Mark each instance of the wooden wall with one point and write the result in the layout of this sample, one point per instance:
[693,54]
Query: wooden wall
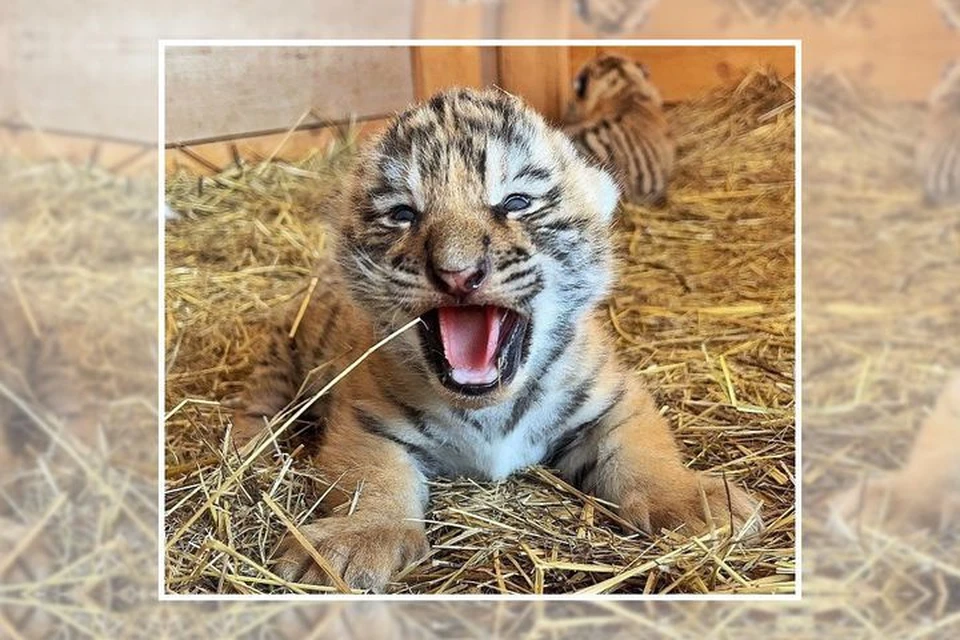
[543,75]
[438,68]
[222,103]
[223,92]
[270,90]
[91,67]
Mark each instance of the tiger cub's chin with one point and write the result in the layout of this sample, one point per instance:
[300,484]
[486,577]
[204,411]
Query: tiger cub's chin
[469,213]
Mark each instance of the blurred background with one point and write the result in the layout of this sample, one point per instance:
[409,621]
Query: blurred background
[78,103]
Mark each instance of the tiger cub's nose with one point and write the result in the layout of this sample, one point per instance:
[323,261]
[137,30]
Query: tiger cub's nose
[463,282]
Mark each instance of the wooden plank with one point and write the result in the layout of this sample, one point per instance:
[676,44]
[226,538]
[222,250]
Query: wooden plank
[682,73]
[219,91]
[535,19]
[91,66]
[544,75]
[121,158]
[206,159]
[451,19]
[437,68]
[540,75]
[86,67]
[580,55]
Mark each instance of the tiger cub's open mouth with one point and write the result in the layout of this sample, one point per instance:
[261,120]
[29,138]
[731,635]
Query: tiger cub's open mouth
[474,350]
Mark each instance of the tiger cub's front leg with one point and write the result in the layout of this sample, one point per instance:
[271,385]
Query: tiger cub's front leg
[384,531]
[628,456]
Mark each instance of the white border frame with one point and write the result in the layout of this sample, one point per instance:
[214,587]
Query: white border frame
[797,44]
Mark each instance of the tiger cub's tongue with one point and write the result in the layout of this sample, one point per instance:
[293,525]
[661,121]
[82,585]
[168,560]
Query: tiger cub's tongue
[470,336]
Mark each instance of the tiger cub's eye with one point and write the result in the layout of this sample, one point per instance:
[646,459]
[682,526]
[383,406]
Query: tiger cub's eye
[580,85]
[402,214]
[515,202]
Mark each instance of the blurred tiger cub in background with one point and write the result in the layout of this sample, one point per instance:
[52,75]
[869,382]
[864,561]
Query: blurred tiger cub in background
[938,155]
[616,118]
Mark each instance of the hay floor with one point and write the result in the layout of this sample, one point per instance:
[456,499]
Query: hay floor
[882,337]
[704,311]
[78,494]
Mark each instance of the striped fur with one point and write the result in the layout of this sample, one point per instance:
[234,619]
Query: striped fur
[616,118]
[391,425]
[938,154]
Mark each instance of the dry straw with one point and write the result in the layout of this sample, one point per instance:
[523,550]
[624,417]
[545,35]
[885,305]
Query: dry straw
[704,312]
[77,394]
[881,329]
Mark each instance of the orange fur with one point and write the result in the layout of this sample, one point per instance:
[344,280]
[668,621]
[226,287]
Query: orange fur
[647,476]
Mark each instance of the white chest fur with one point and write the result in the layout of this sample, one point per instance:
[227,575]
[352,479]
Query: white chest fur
[495,451]
[511,452]
[491,453]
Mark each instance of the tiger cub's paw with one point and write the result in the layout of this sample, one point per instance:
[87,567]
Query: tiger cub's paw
[365,552]
[894,503]
[871,503]
[680,505]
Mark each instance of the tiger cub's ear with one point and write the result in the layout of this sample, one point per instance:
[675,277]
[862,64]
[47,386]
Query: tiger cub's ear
[604,191]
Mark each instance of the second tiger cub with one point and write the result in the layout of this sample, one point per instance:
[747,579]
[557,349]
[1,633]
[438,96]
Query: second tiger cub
[616,118]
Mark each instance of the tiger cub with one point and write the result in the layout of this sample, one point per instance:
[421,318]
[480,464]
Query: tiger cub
[471,214]
[616,118]
[938,154]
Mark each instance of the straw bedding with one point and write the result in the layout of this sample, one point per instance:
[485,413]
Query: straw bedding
[704,311]
[78,479]
[882,329]
[64,232]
